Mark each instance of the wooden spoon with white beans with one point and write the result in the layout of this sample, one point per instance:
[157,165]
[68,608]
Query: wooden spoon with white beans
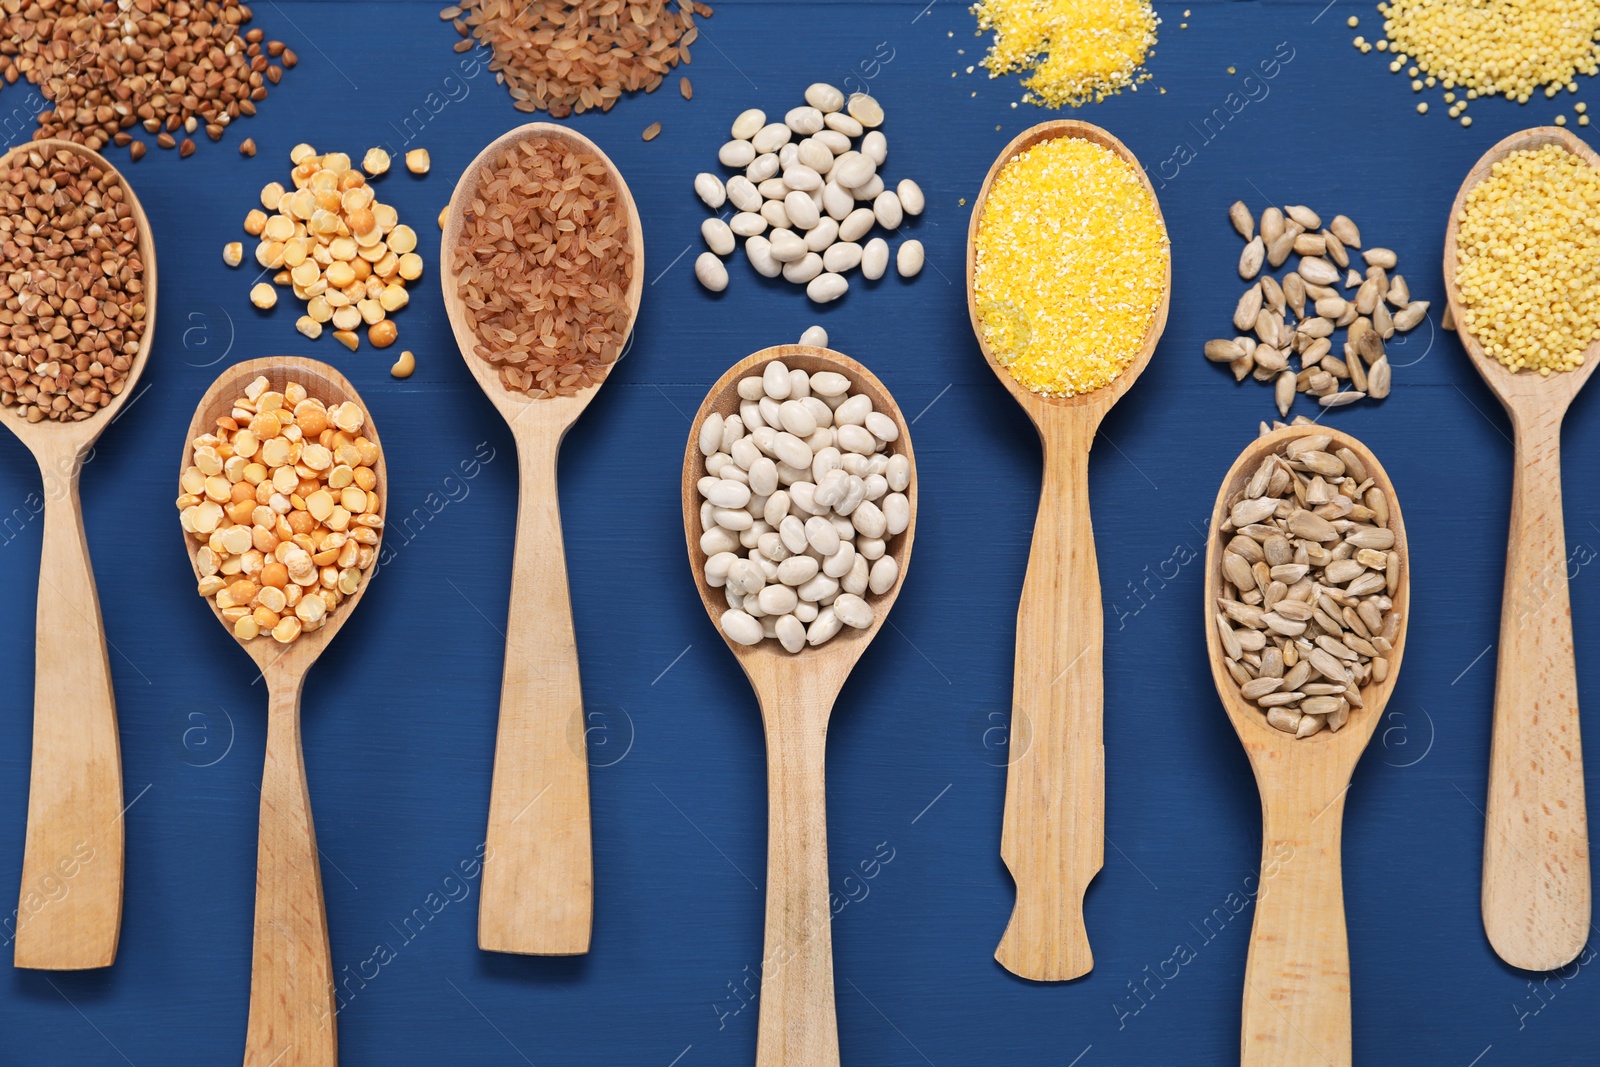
[538,872]
[796,691]
[1297,977]
[75,791]
[1053,836]
[1536,891]
[292,1005]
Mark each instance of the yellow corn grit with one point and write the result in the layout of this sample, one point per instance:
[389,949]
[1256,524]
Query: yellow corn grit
[1507,48]
[1528,260]
[1076,50]
[1070,266]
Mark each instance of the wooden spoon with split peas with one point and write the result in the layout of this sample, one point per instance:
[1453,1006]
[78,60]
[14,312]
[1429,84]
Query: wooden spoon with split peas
[1297,976]
[1536,893]
[1054,830]
[538,869]
[292,1005]
[796,691]
[75,790]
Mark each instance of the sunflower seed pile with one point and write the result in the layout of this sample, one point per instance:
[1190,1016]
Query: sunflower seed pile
[1306,614]
[1298,314]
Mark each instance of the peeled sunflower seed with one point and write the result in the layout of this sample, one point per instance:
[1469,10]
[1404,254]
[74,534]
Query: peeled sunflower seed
[1242,220]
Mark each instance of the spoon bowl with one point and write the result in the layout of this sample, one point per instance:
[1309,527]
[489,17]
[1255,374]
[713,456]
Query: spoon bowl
[796,691]
[537,896]
[75,788]
[1053,835]
[292,1002]
[1536,885]
[1297,978]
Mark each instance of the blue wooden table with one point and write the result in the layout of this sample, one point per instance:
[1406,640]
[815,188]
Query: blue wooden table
[400,715]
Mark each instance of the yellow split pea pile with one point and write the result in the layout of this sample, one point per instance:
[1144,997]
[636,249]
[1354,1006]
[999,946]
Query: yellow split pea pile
[284,499]
[1528,260]
[341,251]
[1070,266]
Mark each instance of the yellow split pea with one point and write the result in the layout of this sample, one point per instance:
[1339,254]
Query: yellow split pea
[1528,260]
[1070,266]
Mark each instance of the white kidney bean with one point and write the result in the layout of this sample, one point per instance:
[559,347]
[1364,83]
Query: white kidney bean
[804,120]
[741,627]
[711,435]
[747,224]
[725,493]
[855,225]
[770,138]
[803,495]
[846,255]
[803,269]
[759,251]
[712,274]
[802,212]
[743,194]
[896,513]
[817,588]
[818,337]
[852,611]
[827,624]
[786,247]
[788,156]
[908,260]
[773,189]
[799,384]
[836,200]
[774,213]
[851,170]
[881,426]
[828,287]
[853,411]
[763,481]
[815,154]
[898,472]
[822,236]
[719,238]
[777,599]
[717,568]
[838,565]
[824,97]
[803,178]
[875,259]
[843,123]
[798,570]
[829,383]
[762,167]
[769,415]
[875,147]
[886,208]
[821,535]
[708,187]
[796,418]
[777,508]
[748,122]
[736,154]
[911,197]
[835,142]
[790,632]
[869,191]
[883,574]
[870,548]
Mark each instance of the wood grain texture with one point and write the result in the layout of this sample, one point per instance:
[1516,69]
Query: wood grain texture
[1536,881]
[538,877]
[1054,826]
[75,789]
[798,1027]
[1297,976]
[292,1007]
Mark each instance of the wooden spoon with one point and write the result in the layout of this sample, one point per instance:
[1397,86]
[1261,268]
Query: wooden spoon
[1054,831]
[1297,977]
[1536,834]
[75,790]
[537,896]
[292,1005]
[798,1027]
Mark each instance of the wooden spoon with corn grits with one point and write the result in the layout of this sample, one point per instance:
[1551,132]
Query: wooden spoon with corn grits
[292,1005]
[1297,976]
[1054,829]
[538,870]
[796,691]
[1536,892]
[75,790]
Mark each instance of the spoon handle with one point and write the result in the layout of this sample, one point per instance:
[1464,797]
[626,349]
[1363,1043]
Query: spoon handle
[292,1002]
[798,1027]
[1297,976]
[75,829]
[538,875]
[1536,834]
[1054,829]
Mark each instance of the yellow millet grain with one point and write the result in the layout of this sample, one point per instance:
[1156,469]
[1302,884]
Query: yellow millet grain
[1077,51]
[1528,260]
[1070,266]
[1510,48]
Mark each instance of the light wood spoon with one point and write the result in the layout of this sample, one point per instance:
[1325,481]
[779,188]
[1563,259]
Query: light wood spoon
[538,871]
[75,790]
[1297,977]
[1536,835]
[1054,832]
[798,1027]
[292,1005]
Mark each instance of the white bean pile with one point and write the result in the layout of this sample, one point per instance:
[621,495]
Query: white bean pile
[805,208]
[800,499]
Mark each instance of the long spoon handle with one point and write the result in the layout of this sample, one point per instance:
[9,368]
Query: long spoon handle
[798,1026]
[292,1005]
[1297,976]
[70,909]
[538,874]
[1536,836]
[1054,830]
